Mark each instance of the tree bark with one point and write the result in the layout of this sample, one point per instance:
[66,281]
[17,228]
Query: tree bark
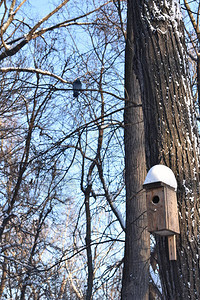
[88,245]
[3,277]
[137,246]
[160,66]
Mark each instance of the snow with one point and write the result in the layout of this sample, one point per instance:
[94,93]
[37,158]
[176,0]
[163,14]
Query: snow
[119,215]
[161,173]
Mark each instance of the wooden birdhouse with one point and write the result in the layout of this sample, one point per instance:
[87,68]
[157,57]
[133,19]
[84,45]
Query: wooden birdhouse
[162,212]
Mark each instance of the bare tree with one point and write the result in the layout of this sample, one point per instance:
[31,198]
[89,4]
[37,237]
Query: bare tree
[62,188]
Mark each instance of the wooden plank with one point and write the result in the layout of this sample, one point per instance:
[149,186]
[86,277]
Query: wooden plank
[172,211]
[172,247]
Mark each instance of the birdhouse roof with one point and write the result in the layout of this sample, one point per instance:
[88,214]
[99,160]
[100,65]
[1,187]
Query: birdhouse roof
[160,173]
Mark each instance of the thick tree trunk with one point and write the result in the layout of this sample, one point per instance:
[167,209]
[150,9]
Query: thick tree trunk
[160,67]
[137,246]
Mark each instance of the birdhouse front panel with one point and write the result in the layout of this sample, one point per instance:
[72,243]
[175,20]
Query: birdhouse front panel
[156,212]
[162,210]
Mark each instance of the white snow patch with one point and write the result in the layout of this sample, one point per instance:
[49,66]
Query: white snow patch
[161,173]
[119,215]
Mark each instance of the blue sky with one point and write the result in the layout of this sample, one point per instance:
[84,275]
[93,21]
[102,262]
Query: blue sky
[41,7]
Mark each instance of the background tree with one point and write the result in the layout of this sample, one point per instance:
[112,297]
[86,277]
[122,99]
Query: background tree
[62,189]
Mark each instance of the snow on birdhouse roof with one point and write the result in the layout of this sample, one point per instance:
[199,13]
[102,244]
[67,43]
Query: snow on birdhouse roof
[160,173]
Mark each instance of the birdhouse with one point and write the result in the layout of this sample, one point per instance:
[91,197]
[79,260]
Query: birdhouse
[162,212]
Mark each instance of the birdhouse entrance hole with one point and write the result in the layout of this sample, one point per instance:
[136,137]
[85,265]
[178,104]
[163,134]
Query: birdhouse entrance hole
[155,200]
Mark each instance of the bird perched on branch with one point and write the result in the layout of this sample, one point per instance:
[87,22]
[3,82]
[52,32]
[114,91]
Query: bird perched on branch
[77,86]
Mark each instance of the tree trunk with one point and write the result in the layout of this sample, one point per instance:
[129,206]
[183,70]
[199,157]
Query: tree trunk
[88,244]
[137,246]
[160,67]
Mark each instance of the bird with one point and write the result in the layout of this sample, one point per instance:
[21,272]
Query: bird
[77,86]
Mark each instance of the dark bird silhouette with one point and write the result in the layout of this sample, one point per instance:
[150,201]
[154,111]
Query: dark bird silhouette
[77,86]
